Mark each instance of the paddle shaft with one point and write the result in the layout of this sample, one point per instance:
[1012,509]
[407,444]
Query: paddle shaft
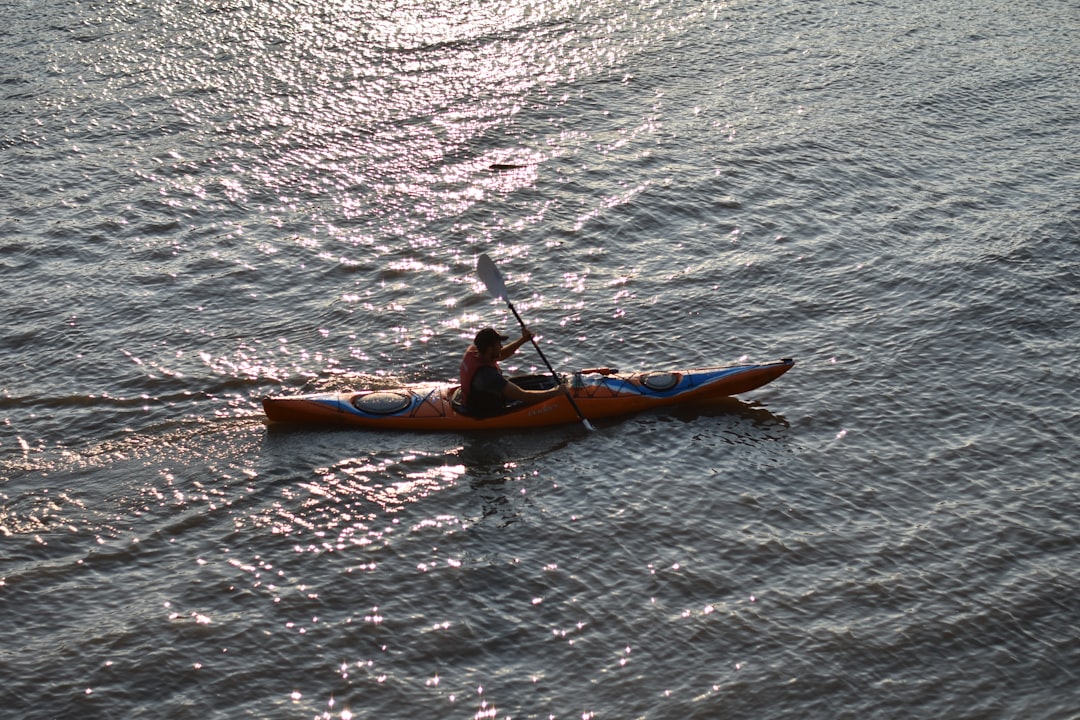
[569,395]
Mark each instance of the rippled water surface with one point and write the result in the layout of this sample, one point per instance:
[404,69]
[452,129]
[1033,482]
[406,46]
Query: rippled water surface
[208,202]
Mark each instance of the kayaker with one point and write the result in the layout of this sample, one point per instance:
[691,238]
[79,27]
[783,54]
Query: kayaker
[484,390]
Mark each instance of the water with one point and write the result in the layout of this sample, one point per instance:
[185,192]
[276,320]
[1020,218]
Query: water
[205,203]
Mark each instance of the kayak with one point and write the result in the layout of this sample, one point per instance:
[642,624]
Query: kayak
[598,392]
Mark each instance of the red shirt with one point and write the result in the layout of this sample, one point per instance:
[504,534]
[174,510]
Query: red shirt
[481,382]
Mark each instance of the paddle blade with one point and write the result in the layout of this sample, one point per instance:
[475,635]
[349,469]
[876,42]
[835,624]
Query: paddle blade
[491,277]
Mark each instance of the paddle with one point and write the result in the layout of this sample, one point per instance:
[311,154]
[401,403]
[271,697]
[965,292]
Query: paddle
[492,278]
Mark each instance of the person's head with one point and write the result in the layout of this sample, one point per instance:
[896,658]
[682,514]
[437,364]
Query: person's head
[489,342]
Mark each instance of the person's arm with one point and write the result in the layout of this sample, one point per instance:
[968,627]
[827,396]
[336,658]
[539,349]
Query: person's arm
[508,350]
[513,392]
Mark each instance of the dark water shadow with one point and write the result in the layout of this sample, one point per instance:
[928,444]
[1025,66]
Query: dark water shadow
[755,412]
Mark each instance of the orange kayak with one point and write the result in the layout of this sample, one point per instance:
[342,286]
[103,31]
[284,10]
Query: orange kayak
[600,393]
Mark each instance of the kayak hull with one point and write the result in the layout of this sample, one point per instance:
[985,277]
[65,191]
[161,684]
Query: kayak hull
[599,394]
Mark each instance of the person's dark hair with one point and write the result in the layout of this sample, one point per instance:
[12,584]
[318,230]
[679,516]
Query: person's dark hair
[488,337]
